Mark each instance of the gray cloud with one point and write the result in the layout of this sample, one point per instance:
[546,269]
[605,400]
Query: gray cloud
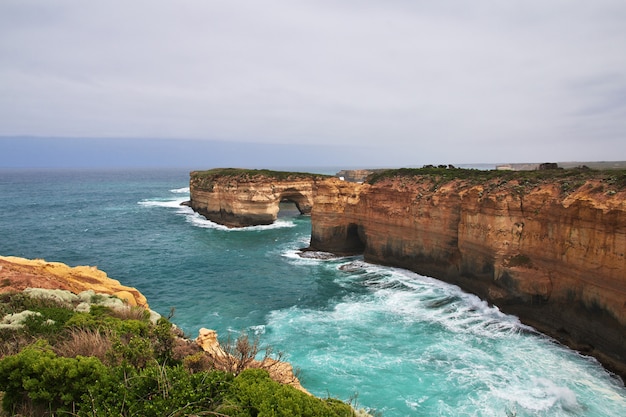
[412,81]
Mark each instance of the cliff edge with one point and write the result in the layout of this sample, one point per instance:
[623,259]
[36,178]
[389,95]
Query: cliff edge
[547,246]
[17,274]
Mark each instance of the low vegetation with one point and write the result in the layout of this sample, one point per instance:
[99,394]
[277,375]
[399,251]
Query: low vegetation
[568,178]
[57,361]
[206,180]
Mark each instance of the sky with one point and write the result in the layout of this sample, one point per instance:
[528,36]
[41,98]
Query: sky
[313,82]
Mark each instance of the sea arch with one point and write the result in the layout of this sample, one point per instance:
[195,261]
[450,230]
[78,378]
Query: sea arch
[302,200]
[239,198]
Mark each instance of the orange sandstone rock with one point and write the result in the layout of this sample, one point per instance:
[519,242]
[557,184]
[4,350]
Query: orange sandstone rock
[250,198]
[17,274]
[548,251]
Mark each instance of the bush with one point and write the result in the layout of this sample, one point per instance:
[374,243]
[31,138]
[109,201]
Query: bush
[253,393]
[49,323]
[39,375]
[155,391]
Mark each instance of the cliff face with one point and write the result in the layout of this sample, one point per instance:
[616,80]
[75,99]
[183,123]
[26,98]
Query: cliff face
[549,251]
[238,198]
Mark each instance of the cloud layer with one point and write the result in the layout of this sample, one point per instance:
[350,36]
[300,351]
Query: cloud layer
[410,81]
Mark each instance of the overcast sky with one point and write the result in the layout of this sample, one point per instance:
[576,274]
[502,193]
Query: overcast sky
[386,82]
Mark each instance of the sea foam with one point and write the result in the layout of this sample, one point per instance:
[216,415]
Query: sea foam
[427,336]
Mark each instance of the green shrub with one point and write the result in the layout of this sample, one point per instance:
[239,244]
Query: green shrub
[254,394]
[150,372]
[130,327]
[83,321]
[49,323]
[155,391]
[135,351]
[163,340]
[39,375]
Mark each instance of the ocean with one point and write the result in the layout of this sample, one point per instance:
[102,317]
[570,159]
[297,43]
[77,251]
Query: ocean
[386,339]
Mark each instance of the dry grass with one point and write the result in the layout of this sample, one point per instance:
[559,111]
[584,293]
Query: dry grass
[130,313]
[85,342]
[12,342]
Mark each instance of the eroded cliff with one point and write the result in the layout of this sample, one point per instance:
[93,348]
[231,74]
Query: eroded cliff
[549,247]
[239,198]
[17,274]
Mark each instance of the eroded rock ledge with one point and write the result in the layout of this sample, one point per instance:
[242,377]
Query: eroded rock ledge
[17,274]
[239,198]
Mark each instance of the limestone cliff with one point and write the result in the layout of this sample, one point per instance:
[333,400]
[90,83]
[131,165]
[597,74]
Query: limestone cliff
[239,198]
[549,247]
[17,274]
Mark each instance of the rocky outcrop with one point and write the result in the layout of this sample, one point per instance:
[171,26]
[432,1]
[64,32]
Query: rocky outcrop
[18,274]
[243,357]
[550,247]
[239,198]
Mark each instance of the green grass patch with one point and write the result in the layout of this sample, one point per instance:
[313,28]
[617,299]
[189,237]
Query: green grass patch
[253,173]
[568,178]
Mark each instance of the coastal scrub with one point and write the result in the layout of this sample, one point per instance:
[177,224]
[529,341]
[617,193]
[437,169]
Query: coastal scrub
[104,361]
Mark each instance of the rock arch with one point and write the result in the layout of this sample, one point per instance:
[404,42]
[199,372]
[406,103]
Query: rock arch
[303,201]
[248,199]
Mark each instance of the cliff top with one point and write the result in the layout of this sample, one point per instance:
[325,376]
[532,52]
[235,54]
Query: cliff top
[250,174]
[569,178]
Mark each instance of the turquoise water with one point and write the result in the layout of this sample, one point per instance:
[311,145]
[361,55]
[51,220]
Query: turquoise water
[391,340]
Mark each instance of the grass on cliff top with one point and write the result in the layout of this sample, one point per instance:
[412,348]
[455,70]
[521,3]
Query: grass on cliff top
[250,173]
[615,178]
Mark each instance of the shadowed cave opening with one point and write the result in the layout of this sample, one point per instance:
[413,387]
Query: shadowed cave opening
[355,242]
[293,203]
[288,209]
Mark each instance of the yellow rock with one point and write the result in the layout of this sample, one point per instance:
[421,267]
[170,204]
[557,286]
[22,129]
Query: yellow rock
[18,274]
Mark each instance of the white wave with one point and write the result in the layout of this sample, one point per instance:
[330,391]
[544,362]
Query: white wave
[415,327]
[184,190]
[257,330]
[200,221]
[176,203]
[294,254]
[416,297]
[278,224]
[539,394]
